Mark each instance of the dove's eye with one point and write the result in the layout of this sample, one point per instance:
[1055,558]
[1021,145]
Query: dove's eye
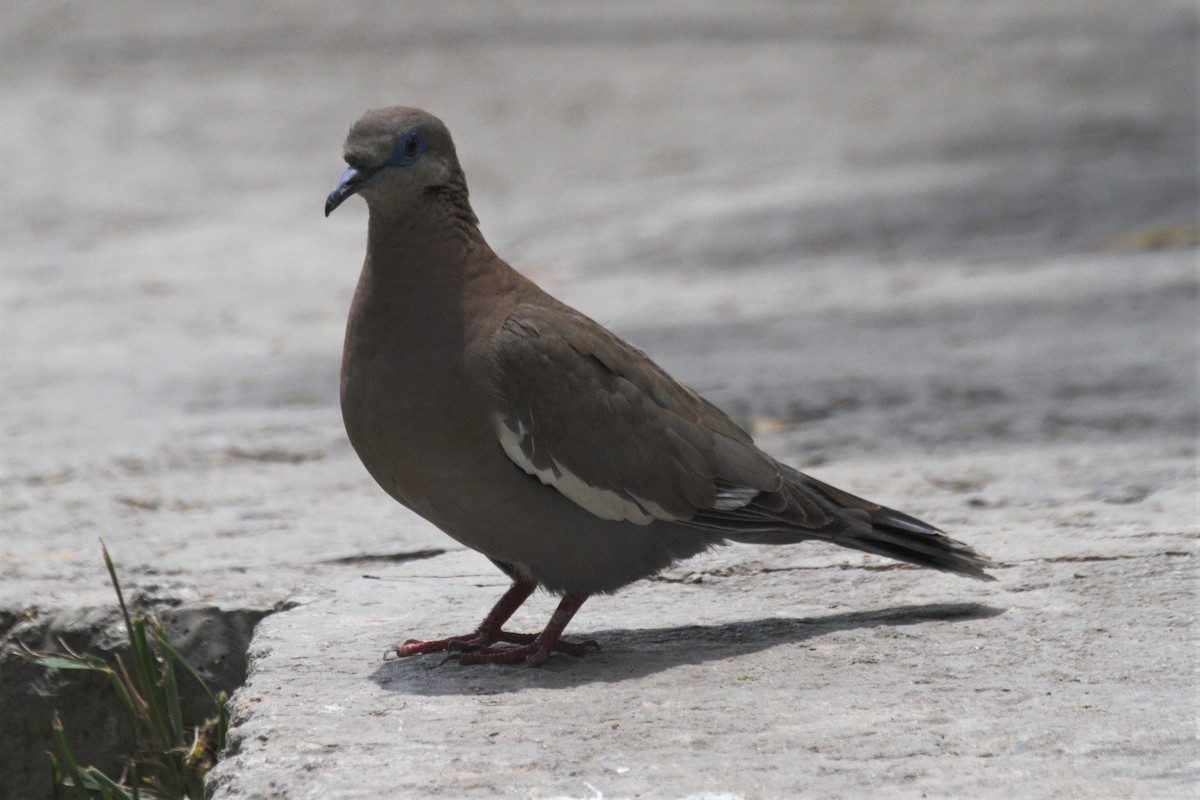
[410,146]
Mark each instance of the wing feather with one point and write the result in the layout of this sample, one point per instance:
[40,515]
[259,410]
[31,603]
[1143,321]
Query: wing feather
[596,419]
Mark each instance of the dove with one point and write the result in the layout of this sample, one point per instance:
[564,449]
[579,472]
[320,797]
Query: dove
[532,434]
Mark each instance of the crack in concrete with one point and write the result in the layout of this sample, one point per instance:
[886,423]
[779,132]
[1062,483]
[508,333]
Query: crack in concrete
[398,558]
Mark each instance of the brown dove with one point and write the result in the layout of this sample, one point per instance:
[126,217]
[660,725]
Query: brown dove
[532,434]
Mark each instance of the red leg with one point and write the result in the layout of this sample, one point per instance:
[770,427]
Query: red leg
[488,632]
[475,648]
[537,649]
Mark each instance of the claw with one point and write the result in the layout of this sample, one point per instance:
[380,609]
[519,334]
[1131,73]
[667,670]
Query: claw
[477,650]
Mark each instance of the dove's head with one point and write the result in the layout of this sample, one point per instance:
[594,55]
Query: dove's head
[396,154]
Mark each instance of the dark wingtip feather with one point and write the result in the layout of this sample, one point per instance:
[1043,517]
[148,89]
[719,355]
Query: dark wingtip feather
[808,509]
[897,535]
[906,538]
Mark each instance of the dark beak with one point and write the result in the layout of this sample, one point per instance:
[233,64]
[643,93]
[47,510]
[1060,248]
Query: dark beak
[350,182]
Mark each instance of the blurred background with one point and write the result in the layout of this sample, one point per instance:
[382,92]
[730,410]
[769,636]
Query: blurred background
[165,166]
[872,227]
[867,229]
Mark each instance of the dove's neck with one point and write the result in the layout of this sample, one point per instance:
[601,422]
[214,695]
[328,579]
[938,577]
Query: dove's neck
[430,285]
[428,263]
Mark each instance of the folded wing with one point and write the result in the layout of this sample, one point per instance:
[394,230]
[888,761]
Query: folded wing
[593,417]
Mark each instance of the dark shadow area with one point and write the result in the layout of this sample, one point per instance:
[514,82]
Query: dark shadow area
[214,640]
[631,654]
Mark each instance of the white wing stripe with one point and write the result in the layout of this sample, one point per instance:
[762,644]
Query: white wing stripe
[730,499]
[601,502]
[604,503]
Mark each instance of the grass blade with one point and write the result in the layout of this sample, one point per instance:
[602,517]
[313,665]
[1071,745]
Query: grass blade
[78,779]
[112,574]
[174,757]
[160,637]
[109,787]
[67,662]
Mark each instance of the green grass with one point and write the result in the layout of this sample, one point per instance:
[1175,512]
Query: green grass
[171,759]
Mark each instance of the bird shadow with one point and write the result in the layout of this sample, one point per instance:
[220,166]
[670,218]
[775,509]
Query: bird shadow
[638,653]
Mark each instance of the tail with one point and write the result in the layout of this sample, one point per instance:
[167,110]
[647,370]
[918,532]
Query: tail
[886,532]
[787,516]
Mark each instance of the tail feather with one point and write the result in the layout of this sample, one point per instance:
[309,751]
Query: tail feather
[935,550]
[806,509]
[886,532]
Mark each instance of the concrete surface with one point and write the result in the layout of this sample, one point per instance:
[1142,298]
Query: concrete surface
[940,254]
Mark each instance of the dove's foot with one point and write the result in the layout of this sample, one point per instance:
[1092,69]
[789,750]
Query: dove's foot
[534,653]
[476,648]
[479,640]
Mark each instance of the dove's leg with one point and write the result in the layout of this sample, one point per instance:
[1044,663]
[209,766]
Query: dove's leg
[475,648]
[535,649]
[488,632]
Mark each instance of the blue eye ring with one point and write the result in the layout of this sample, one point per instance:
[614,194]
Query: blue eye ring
[408,149]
